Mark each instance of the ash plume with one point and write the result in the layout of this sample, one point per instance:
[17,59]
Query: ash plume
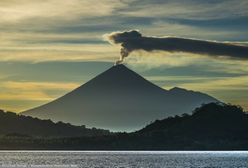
[133,40]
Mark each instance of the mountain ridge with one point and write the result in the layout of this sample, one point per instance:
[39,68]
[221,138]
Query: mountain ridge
[119,99]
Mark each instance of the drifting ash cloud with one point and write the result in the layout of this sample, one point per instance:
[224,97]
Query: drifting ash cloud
[133,40]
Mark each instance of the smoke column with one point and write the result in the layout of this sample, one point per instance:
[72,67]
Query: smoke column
[133,40]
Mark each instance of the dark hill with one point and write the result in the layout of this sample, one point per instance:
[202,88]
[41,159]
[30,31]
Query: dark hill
[210,127]
[205,121]
[14,125]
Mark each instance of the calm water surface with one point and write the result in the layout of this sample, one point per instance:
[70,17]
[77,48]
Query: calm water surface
[123,159]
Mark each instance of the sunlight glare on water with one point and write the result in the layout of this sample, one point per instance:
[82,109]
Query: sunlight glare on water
[124,159]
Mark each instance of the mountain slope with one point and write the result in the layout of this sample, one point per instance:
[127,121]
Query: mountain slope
[121,100]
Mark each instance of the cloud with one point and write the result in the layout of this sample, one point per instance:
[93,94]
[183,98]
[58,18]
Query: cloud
[58,52]
[134,41]
[228,83]
[185,63]
[188,9]
[31,96]
[174,27]
[17,11]
[146,61]
[39,85]
[33,91]
[37,27]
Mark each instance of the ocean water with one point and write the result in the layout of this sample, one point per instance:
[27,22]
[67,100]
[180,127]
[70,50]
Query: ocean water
[123,159]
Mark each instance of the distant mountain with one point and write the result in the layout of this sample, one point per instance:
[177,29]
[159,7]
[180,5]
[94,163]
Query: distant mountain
[121,100]
[13,125]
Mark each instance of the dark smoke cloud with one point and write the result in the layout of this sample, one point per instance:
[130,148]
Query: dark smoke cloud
[133,40]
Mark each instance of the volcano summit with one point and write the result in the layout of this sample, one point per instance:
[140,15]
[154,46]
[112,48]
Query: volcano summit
[120,100]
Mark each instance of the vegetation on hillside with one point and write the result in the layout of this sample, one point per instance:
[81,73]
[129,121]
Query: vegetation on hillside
[211,127]
[14,125]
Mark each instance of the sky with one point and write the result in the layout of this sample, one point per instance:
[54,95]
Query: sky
[49,47]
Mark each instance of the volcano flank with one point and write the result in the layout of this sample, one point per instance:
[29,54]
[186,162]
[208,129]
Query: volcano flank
[120,100]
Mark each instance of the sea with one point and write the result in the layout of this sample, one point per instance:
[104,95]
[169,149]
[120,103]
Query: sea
[123,159]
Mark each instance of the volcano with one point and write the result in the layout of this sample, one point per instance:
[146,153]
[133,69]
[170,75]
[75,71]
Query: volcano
[120,100]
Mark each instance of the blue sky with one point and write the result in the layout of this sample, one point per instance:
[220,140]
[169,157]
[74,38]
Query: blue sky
[50,47]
